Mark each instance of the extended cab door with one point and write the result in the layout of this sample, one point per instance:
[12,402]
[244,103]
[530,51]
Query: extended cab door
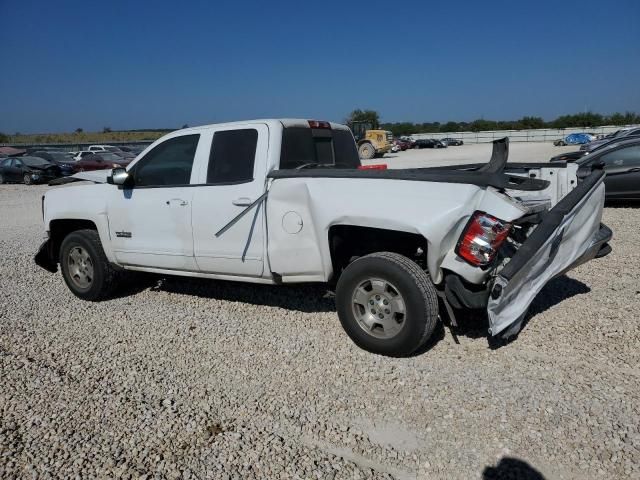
[231,180]
[150,220]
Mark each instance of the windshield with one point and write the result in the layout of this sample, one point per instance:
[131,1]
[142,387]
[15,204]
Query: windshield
[113,149]
[34,161]
[321,147]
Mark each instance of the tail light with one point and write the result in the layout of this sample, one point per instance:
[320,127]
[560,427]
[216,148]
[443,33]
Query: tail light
[319,124]
[379,166]
[481,239]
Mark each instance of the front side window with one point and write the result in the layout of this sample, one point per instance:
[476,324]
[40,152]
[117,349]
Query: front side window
[627,157]
[167,164]
[6,163]
[233,154]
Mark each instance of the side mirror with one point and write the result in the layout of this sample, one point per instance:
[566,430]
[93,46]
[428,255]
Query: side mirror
[119,176]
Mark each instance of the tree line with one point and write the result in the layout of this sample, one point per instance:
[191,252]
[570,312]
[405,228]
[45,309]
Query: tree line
[576,120]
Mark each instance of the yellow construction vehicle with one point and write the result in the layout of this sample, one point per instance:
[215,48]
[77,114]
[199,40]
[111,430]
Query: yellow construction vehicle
[371,143]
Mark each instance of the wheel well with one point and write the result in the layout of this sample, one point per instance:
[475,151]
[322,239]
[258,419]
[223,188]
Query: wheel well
[348,242]
[59,229]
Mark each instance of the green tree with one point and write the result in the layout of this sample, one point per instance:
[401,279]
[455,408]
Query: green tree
[106,130]
[526,123]
[627,118]
[186,125]
[364,116]
[449,127]
[4,138]
[79,130]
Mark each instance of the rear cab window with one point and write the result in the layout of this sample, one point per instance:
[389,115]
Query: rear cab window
[318,146]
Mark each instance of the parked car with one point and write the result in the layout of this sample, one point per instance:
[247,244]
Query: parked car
[488,239]
[125,155]
[135,149]
[578,154]
[574,139]
[623,133]
[401,145]
[429,143]
[81,154]
[27,170]
[621,162]
[101,148]
[568,157]
[452,142]
[64,160]
[101,161]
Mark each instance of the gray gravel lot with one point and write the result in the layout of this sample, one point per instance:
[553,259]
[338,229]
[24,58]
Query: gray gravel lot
[197,379]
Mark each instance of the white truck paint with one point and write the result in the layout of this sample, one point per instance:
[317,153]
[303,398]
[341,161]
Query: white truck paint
[278,224]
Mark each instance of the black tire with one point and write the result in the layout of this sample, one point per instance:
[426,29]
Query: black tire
[366,151]
[104,277]
[1,179]
[26,178]
[417,292]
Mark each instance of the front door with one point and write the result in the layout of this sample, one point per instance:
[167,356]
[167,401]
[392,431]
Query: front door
[15,171]
[234,179]
[623,172]
[150,220]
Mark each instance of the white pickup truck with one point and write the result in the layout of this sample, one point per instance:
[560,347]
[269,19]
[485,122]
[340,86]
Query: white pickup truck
[285,201]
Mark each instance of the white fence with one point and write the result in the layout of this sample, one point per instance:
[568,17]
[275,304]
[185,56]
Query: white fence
[538,135]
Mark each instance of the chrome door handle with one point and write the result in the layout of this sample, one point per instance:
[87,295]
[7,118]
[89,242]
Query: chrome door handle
[242,202]
[179,201]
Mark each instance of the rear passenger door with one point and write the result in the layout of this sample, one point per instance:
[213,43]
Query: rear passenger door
[623,172]
[232,179]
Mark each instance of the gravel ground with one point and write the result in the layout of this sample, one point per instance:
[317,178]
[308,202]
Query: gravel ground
[197,379]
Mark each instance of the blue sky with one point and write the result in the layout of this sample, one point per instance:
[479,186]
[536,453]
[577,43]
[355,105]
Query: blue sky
[132,64]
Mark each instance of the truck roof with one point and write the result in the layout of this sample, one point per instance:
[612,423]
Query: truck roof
[286,122]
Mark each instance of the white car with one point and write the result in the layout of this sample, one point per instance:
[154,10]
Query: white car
[284,201]
[102,148]
[81,154]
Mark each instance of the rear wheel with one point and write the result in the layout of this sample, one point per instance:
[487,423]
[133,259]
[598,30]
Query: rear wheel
[27,179]
[85,267]
[387,304]
[1,179]
[366,151]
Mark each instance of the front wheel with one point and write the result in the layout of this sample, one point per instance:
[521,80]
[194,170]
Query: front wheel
[387,304]
[85,267]
[367,151]
[1,179]
[27,179]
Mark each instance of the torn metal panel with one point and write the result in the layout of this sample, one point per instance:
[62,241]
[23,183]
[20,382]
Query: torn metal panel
[570,234]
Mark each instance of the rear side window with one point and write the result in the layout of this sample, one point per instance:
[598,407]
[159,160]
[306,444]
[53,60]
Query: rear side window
[167,164]
[301,146]
[233,154]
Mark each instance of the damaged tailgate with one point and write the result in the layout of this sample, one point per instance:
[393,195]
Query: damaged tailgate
[571,233]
